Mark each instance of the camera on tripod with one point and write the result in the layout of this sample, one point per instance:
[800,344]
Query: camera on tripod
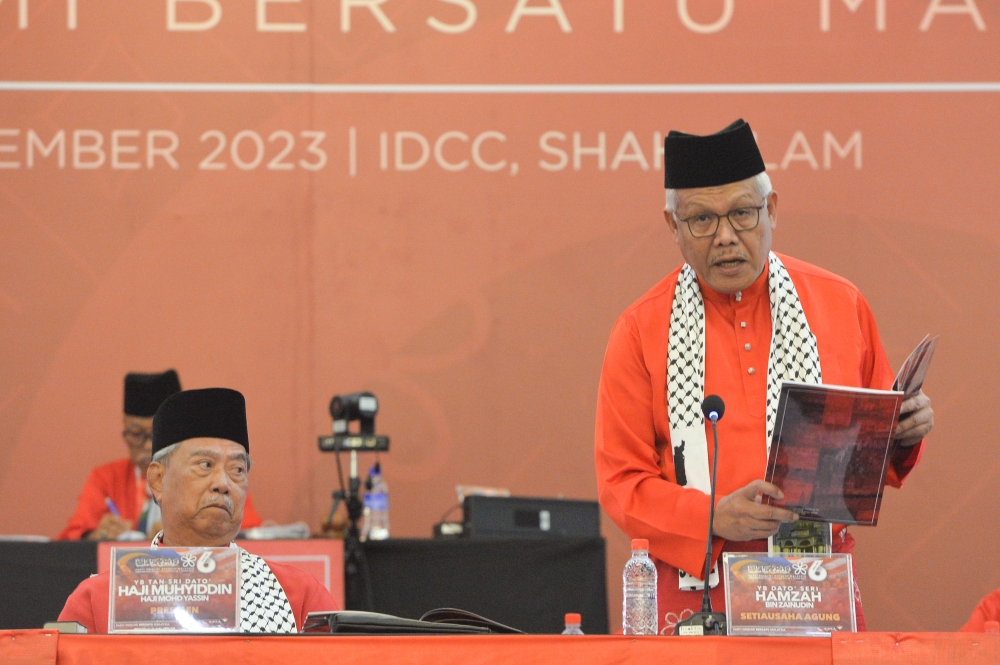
[346,409]
[359,408]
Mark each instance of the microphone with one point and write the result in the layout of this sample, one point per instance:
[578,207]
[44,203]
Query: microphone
[708,622]
[714,408]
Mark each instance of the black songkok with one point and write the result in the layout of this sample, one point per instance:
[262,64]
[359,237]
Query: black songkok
[216,413]
[144,393]
[708,161]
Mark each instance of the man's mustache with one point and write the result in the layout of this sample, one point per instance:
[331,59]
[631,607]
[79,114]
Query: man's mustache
[221,501]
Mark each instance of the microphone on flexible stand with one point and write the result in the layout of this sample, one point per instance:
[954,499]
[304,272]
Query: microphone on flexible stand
[708,622]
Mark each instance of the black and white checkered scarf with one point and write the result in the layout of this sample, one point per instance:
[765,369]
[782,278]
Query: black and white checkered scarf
[264,607]
[794,357]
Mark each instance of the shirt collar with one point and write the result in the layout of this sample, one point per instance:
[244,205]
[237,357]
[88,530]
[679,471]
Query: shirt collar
[158,540]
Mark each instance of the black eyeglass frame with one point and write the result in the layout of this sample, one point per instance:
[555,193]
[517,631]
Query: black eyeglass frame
[136,439]
[718,220]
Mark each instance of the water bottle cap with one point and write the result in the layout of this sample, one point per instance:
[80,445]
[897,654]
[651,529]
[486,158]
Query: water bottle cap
[640,544]
[573,617]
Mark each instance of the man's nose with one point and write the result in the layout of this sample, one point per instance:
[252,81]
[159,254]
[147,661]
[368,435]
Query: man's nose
[220,480]
[725,234]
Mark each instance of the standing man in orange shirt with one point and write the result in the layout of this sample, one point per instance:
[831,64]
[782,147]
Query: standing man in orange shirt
[115,498]
[735,320]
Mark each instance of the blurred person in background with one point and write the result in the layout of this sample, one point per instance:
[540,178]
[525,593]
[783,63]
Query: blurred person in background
[986,617]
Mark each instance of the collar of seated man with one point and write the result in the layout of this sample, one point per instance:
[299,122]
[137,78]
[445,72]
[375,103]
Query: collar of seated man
[158,538]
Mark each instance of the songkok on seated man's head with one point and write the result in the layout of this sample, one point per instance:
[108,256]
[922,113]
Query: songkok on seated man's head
[144,393]
[214,413]
[730,155]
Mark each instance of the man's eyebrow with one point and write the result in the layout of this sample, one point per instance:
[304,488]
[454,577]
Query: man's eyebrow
[698,207]
[240,456]
[205,453]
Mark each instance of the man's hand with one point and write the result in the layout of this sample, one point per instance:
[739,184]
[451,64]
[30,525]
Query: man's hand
[109,528]
[916,420]
[741,516]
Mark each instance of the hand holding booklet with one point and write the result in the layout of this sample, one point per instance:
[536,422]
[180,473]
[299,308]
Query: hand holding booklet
[832,445]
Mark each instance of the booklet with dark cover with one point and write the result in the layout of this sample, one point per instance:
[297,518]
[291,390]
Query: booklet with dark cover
[910,378]
[444,621]
[830,451]
[831,445]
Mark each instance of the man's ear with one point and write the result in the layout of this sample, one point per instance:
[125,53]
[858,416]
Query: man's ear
[672,223]
[772,208]
[154,478]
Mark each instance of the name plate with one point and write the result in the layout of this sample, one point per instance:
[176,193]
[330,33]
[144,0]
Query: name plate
[790,595]
[168,590]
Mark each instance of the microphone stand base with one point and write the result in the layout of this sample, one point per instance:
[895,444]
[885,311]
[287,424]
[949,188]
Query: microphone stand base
[703,623]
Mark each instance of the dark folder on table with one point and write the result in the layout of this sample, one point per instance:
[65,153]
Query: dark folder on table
[445,621]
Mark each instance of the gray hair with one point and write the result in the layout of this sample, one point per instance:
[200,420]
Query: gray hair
[761,183]
[163,455]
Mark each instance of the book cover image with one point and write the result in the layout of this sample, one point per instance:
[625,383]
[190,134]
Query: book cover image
[789,595]
[163,589]
[830,451]
[802,537]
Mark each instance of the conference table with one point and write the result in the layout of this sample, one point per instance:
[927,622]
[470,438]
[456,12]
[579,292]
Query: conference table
[41,647]
[528,583]
[510,580]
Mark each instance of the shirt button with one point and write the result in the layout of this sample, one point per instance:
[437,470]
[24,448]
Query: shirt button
[739,296]
[751,370]
[743,324]
[746,346]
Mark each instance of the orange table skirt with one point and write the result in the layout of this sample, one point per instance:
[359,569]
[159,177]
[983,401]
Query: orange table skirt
[38,647]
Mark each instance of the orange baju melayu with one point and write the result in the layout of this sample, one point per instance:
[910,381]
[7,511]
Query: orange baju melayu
[117,481]
[988,610]
[635,471]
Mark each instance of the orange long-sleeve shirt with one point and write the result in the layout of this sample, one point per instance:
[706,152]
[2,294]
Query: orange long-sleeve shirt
[636,482]
[117,481]
[988,609]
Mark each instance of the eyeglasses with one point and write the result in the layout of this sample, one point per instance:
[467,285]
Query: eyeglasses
[136,438]
[706,224]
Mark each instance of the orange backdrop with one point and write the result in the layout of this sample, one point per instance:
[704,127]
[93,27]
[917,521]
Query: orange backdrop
[463,251]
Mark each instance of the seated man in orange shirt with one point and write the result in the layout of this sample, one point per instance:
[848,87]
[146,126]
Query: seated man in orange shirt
[115,498]
[199,477]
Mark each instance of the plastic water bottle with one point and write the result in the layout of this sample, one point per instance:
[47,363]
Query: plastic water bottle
[639,614]
[573,624]
[376,507]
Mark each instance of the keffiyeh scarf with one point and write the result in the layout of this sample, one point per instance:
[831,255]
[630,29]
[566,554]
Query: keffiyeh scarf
[794,356]
[264,607]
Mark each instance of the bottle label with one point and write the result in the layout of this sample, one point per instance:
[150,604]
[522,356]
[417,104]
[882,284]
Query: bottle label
[378,501]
